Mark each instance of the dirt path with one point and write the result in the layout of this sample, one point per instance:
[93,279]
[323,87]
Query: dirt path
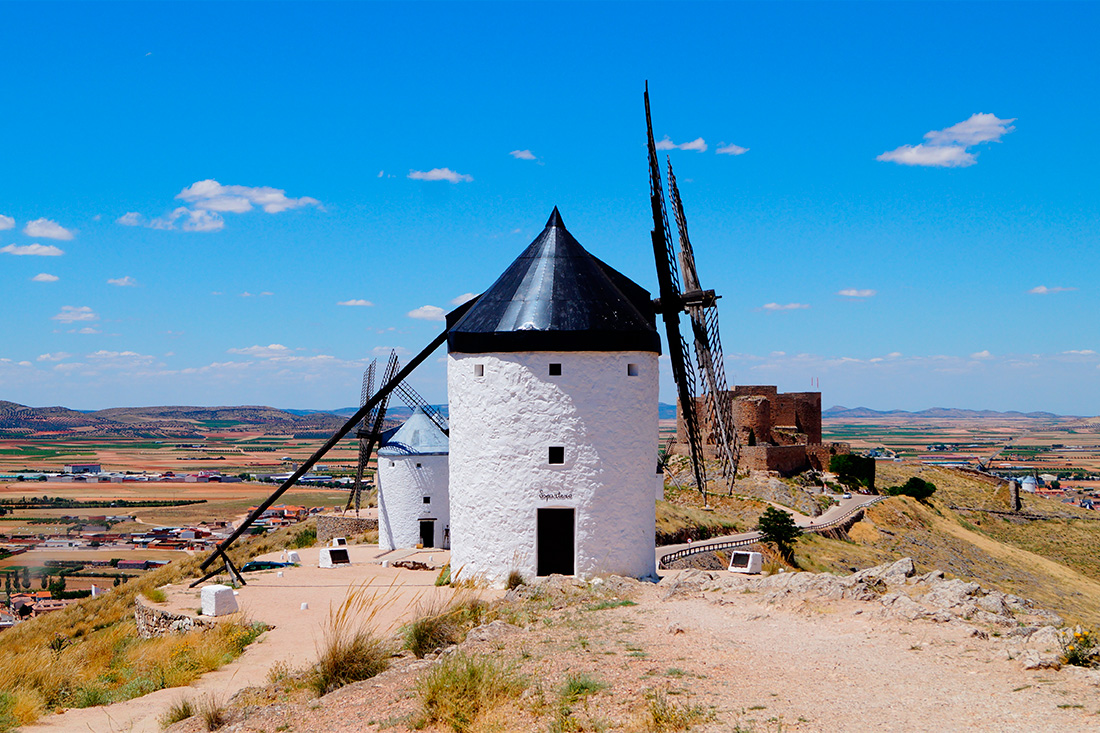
[275,601]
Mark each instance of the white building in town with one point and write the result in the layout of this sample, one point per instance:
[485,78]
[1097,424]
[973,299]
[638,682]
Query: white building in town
[413,505]
[552,381]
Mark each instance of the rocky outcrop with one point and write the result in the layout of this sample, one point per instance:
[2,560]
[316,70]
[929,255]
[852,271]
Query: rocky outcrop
[895,587]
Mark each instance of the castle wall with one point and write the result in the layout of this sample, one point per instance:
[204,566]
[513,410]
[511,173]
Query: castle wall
[502,424]
[776,431]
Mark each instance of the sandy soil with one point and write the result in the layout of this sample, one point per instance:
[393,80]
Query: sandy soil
[276,601]
[755,662]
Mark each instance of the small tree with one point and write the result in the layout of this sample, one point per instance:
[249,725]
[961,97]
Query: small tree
[45,581]
[26,578]
[778,528]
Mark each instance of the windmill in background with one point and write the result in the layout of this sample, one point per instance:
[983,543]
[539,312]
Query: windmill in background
[370,433]
[680,290]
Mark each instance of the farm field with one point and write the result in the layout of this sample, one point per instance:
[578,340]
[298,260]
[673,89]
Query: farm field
[221,501]
[1063,446]
[229,453]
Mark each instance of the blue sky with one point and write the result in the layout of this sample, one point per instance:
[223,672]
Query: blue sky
[906,207]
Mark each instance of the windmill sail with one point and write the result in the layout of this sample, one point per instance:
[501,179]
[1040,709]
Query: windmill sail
[671,303]
[703,312]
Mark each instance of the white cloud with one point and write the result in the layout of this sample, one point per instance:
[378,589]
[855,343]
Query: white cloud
[855,293]
[698,144]
[730,149]
[86,330]
[59,356]
[1044,290]
[45,277]
[130,219]
[381,173]
[72,314]
[980,128]
[428,313]
[120,359]
[193,220]
[123,282]
[465,297]
[264,352]
[784,306]
[947,148]
[440,174]
[385,350]
[46,228]
[6,222]
[984,354]
[209,195]
[947,156]
[1080,352]
[523,155]
[357,301]
[40,250]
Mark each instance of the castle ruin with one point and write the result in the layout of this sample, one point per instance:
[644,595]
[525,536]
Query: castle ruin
[775,432]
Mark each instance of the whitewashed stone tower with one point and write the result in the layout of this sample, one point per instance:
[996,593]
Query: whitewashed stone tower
[552,381]
[413,506]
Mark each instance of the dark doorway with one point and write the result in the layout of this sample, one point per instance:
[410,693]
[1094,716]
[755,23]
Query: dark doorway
[555,538]
[427,532]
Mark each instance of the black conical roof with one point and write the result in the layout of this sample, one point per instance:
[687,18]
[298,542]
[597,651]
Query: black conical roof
[558,297]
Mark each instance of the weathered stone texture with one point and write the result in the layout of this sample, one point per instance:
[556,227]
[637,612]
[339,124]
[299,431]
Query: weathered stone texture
[334,525]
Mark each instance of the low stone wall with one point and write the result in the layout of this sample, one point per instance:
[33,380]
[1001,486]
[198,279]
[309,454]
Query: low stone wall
[152,621]
[334,525]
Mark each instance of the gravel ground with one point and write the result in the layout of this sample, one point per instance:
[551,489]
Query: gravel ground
[742,658]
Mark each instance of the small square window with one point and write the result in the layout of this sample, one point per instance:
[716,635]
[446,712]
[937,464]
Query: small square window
[631,370]
[479,370]
[392,464]
[557,454]
[418,465]
[427,500]
[555,370]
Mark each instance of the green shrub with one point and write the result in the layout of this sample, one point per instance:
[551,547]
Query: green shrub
[444,576]
[1079,648]
[854,471]
[917,488]
[307,537]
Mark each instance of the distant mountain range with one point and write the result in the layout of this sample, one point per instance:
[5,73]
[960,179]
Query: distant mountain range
[174,422]
[841,411]
[181,421]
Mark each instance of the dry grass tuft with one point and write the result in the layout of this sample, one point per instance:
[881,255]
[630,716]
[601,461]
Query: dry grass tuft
[212,711]
[441,623]
[662,715]
[463,688]
[349,649]
[102,659]
[181,709]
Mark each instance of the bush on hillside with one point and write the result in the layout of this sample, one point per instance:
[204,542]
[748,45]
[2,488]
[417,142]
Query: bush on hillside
[854,471]
[917,488]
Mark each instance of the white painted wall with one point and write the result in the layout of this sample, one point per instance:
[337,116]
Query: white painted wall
[502,425]
[401,492]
